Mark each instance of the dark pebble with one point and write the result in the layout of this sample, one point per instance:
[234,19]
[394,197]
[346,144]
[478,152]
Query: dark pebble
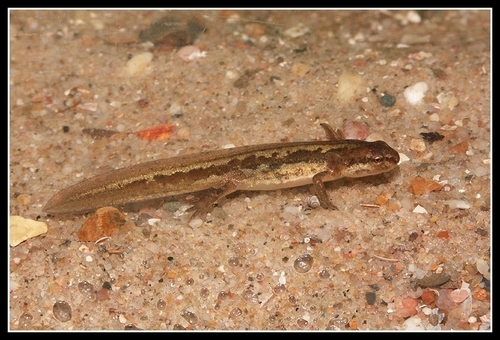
[370,297]
[434,280]
[387,100]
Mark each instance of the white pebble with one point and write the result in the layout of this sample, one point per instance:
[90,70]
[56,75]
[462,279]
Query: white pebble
[174,109]
[403,158]
[427,310]
[139,63]
[296,31]
[349,85]
[413,323]
[122,319]
[457,204]
[190,52]
[483,267]
[282,279]
[417,145]
[434,117]
[153,221]
[231,74]
[413,94]
[419,210]
[195,223]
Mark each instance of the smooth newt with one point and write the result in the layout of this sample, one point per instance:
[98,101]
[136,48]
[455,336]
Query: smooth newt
[221,172]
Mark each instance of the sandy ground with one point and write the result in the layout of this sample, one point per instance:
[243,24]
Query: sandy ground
[259,77]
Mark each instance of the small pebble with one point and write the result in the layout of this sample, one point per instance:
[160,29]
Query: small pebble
[413,323]
[303,263]
[190,317]
[409,307]
[356,130]
[138,64]
[233,261]
[102,294]
[370,297]
[161,304]
[415,93]
[336,324]
[434,319]
[190,52]
[196,223]
[25,321]
[299,69]
[483,267]
[324,274]
[24,199]
[122,319]
[204,292]
[302,323]
[279,289]
[457,204]
[87,289]
[350,85]
[62,311]
[387,100]
[296,31]
[444,300]
[235,312]
[419,210]
[434,280]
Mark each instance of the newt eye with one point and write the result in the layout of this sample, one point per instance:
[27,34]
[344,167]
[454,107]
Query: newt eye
[378,159]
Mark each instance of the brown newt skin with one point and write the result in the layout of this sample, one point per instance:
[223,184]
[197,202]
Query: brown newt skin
[221,172]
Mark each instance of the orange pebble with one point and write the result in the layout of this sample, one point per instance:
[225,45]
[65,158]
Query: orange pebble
[409,307]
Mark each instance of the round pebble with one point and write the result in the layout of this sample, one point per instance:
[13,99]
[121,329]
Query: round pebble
[302,323]
[25,321]
[87,289]
[278,289]
[387,100]
[204,292]
[324,274]
[337,324]
[303,263]
[190,317]
[235,312]
[233,261]
[62,311]
[161,304]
